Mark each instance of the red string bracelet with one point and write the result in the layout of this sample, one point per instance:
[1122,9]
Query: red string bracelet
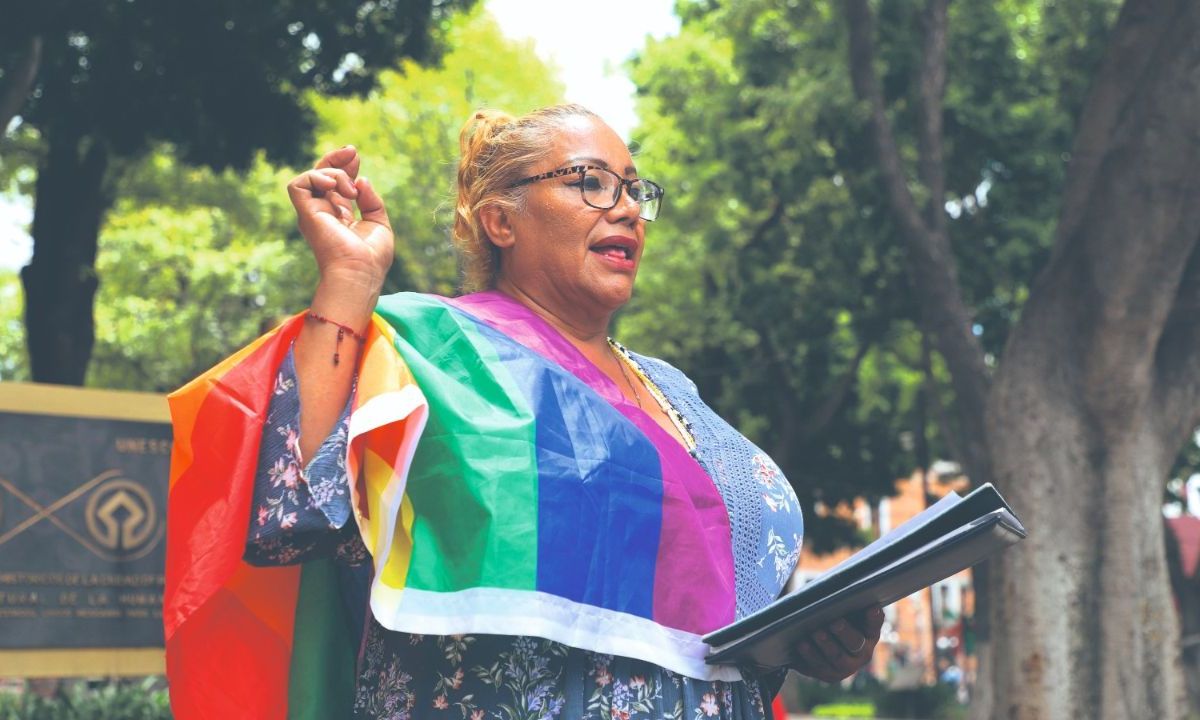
[342,331]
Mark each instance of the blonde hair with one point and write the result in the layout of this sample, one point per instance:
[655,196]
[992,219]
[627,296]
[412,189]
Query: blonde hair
[497,150]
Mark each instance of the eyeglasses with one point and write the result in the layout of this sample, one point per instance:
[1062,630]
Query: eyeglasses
[601,188]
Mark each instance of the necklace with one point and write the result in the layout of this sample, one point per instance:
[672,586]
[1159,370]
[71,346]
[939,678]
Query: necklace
[621,364]
[682,425]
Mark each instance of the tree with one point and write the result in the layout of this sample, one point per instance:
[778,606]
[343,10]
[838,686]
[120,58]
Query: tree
[217,80]
[1029,162]
[196,262]
[764,278]
[170,309]
[1096,391]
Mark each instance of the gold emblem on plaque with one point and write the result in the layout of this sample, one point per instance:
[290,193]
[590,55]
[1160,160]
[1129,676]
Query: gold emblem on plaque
[122,520]
[121,516]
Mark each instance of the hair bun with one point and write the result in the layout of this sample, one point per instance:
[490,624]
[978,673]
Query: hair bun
[482,130]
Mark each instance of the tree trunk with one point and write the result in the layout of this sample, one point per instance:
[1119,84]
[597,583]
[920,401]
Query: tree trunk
[1082,612]
[60,281]
[1096,394]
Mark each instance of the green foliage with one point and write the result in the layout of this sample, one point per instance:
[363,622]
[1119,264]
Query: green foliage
[407,130]
[14,364]
[776,276]
[845,710]
[765,279]
[168,310]
[867,697]
[219,80]
[116,701]
[195,263]
[937,702]
[805,694]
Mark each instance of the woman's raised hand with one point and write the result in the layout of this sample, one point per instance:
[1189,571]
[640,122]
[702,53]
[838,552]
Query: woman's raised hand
[353,255]
[350,250]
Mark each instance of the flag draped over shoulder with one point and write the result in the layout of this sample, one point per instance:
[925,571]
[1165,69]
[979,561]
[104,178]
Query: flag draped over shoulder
[501,483]
[231,627]
[228,634]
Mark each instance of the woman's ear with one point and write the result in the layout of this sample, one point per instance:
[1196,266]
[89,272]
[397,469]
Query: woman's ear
[498,226]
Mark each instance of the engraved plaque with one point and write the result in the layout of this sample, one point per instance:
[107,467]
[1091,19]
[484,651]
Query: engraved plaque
[83,488]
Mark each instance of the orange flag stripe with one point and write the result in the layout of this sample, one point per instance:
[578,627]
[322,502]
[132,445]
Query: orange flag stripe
[228,625]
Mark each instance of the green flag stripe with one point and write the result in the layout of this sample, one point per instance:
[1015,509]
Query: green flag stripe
[321,676]
[473,482]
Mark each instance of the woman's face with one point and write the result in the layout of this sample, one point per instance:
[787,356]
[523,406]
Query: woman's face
[570,258]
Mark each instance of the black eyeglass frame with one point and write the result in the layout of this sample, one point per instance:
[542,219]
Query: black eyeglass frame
[623,185]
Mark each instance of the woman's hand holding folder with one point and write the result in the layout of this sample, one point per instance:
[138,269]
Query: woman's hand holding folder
[840,650]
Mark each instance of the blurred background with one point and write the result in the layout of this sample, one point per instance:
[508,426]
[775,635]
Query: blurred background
[906,248]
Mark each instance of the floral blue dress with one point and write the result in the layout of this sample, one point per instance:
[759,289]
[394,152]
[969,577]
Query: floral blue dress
[302,512]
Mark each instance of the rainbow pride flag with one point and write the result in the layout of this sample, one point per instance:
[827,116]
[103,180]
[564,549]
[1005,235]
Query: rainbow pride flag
[502,484]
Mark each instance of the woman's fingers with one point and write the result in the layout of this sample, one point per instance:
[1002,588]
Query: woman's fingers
[342,166]
[319,182]
[874,621]
[325,199]
[370,204]
[343,205]
[848,637]
[327,190]
[813,664]
[840,650]
[835,655]
[343,183]
[873,625]
[344,158]
[307,191]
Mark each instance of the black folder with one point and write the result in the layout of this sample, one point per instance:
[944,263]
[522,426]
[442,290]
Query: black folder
[951,535]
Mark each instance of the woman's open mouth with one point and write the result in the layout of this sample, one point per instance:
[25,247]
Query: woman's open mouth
[618,251]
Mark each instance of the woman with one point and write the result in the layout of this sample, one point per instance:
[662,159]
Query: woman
[647,523]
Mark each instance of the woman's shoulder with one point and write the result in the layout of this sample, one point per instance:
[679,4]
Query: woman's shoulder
[411,308]
[663,373]
[408,298]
